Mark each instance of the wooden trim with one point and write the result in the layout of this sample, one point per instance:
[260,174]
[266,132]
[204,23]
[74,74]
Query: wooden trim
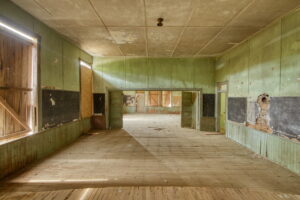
[15,135]
[16,88]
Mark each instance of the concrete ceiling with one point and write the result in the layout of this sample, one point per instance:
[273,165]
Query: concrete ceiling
[128,27]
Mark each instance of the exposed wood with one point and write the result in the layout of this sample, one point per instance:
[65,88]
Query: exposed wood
[16,88]
[13,114]
[16,62]
[86,100]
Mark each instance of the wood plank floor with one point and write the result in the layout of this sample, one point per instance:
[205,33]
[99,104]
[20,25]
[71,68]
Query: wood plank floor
[154,152]
[150,193]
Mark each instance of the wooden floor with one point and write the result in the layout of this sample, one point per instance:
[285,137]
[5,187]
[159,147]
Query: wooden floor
[150,193]
[154,152]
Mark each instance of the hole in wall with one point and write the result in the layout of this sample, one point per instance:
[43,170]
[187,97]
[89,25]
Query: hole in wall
[263,117]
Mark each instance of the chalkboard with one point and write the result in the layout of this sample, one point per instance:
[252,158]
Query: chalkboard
[99,103]
[237,109]
[59,107]
[285,116]
[208,105]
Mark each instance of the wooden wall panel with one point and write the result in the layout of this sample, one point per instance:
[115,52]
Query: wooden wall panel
[86,101]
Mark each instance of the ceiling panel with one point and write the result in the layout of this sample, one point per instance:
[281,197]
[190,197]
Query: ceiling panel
[85,35]
[33,8]
[193,39]
[216,12]
[121,12]
[229,37]
[131,40]
[162,40]
[174,12]
[76,12]
[263,12]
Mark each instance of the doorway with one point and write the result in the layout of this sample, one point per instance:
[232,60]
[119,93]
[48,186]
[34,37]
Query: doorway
[182,105]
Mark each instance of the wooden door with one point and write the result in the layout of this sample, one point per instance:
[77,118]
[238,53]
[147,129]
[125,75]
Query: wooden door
[86,94]
[222,113]
[140,102]
[187,109]
[116,110]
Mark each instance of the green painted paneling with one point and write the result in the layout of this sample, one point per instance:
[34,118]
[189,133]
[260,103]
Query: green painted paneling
[290,65]
[51,57]
[204,74]
[86,57]
[17,15]
[239,71]
[276,149]
[183,73]
[116,109]
[136,73]
[161,73]
[267,63]
[98,81]
[71,56]
[19,153]
[113,72]
[264,62]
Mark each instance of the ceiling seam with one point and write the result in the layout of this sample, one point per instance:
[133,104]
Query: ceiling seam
[42,7]
[146,28]
[225,27]
[183,30]
[106,28]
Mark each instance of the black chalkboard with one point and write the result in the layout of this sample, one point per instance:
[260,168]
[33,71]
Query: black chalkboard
[99,103]
[237,109]
[59,107]
[285,116]
[208,105]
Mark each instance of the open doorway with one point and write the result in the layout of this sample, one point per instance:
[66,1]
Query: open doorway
[152,102]
[148,108]
[183,106]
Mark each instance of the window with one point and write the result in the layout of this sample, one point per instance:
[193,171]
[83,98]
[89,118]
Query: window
[155,98]
[18,99]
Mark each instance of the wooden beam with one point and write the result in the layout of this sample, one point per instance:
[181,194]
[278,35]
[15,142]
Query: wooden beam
[14,114]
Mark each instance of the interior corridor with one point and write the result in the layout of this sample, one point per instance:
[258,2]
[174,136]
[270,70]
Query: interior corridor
[152,150]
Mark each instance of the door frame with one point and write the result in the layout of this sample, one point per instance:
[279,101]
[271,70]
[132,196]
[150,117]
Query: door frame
[220,89]
[198,90]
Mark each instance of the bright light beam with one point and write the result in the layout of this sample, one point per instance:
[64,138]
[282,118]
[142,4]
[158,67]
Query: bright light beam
[19,33]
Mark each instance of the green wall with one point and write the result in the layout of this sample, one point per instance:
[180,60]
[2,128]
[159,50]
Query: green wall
[59,62]
[147,73]
[267,63]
